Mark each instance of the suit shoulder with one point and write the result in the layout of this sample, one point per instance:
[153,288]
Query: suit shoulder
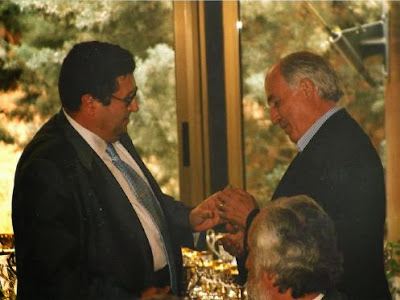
[335,295]
[49,143]
[341,133]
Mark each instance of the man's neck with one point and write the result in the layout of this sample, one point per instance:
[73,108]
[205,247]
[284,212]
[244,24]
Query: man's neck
[288,296]
[312,130]
[306,297]
[80,119]
[322,108]
[89,123]
[310,296]
[269,280]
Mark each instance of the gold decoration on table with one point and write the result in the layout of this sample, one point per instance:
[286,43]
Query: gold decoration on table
[8,276]
[207,277]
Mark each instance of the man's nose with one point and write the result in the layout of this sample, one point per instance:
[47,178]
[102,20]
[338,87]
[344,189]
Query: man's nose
[274,115]
[134,105]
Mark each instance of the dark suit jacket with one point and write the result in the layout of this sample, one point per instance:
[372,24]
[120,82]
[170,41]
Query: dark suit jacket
[341,170]
[76,233]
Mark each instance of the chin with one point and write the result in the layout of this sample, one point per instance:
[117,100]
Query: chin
[122,130]
[118,135]
[294,139]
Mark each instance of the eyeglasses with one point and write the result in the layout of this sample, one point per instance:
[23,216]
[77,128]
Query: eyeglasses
[128,99]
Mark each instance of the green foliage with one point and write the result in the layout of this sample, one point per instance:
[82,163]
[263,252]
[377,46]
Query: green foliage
[5,136]
[141,25]
[9,16]
[392,264]
[10,26]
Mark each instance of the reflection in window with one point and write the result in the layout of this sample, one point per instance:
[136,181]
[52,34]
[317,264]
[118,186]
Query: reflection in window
[34,38]
[272,29]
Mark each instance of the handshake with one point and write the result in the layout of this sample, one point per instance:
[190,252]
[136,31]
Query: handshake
[231,207]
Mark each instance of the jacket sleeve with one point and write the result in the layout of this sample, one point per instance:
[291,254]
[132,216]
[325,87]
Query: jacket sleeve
[46,227]
[177,215]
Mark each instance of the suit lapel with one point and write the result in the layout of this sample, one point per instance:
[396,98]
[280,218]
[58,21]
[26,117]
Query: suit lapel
[286,183]
[84,152]
[297,177]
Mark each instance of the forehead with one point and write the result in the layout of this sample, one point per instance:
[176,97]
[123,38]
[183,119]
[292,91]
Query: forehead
[126,78]
[275,85]
[126,82]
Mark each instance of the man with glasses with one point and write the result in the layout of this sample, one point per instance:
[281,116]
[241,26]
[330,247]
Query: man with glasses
[90,221]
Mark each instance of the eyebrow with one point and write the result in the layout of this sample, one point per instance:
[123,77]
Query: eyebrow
[133,90]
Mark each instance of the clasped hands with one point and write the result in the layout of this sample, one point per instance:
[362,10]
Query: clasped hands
[231,206]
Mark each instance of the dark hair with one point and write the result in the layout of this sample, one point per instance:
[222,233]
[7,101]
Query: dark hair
[304,64]
[296,241]
[92,68]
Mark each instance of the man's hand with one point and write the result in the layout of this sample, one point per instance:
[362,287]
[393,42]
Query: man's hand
[233,242]
[205,215]
[153,291]
[234,205]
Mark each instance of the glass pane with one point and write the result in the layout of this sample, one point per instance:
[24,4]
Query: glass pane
[272,29]
[35,37]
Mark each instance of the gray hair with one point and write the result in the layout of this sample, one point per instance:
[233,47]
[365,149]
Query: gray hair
[299,65]
[295,240]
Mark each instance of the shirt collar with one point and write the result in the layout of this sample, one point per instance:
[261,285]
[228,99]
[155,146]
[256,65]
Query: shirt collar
[306,138]
[319,297]
[94,141]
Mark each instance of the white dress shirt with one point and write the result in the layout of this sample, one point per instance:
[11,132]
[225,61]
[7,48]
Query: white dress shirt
[150,228]
[308,135]
[319,297]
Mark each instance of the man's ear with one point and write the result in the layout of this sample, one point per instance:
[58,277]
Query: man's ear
[88,103]
[268,278]
[269,275]
[308,88]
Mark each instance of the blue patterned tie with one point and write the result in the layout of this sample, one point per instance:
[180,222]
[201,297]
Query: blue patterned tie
[146,197]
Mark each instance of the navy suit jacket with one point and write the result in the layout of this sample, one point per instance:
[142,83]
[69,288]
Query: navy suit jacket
[341,170]
[76,233]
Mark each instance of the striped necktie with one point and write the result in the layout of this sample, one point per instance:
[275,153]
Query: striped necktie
[146,197]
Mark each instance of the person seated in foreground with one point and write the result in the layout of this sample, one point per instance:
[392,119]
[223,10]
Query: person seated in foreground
[293,252]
